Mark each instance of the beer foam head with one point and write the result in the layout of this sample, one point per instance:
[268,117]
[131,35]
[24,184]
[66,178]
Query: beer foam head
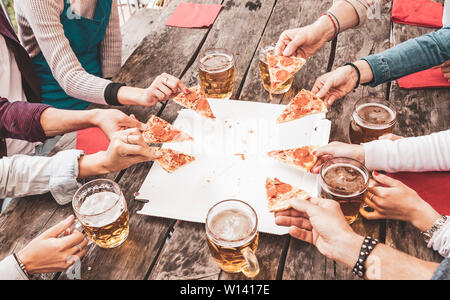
[103,208]
[343,179]
[216,62]
[374,116]
[231,226]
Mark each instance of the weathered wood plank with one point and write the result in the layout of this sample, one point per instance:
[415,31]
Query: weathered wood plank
[421,112]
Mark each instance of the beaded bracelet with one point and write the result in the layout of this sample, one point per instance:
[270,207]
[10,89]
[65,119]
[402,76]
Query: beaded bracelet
[368,245]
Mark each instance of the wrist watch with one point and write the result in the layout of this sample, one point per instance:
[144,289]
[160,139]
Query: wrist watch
[427,235]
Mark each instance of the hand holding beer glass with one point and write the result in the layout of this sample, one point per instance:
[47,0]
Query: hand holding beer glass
[232,236]
[101,209]
[345,180]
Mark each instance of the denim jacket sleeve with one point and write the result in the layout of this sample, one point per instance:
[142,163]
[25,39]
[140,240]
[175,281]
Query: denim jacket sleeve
[443,271]
[410,57]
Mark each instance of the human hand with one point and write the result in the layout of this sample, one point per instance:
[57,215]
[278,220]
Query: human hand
[306,41]
[127,147]
[112,120]
[335,84]
[321,223]
[47,253]
[164,87]
[391,199]
[445,69]
[337,149]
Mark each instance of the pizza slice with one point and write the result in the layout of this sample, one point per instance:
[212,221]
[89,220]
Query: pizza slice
[171,160]
[160,131]
[303,104]
[279,194]
[301,158]
[195,100]
[282,68]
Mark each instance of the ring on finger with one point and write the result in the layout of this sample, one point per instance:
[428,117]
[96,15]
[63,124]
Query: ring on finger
[79,248]
[371,196]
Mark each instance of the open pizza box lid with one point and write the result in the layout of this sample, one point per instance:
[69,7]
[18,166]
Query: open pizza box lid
[231,161]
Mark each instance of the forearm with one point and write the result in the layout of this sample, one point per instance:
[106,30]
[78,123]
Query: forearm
[130,95]
[92,165]
[56,121]
[414,154]
[360,7]
[428,51]
[384,263]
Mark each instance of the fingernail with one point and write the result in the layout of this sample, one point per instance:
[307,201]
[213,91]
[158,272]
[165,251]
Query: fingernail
[315,152]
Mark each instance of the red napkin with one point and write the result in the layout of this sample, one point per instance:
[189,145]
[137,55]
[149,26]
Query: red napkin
[424,13]
[433,187]
[431,78]
[92,140]
[194,15]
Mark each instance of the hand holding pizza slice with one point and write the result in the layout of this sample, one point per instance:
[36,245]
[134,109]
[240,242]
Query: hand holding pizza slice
[282,68]
[303,104]
[171,160]
[280,194]
[160,131]
[301,158]
[195,100]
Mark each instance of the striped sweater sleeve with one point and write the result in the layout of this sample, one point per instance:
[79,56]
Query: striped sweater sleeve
[111,46]
[43,17]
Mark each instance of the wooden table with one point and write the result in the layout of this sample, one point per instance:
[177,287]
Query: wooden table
[160,248]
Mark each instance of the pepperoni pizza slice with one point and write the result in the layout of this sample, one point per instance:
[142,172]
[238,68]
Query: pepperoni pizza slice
[171,160]
[301,158]
[303,104]
[160,131]
[279,194]
[195,100]
[282,68]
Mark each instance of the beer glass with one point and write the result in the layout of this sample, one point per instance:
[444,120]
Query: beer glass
[372,117]
[232,236]
[216,73]
[264,71]
[345,180]
[101,209]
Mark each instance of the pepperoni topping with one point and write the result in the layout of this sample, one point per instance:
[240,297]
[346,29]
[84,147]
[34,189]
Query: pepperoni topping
[191,97]
[283,188]
[286,61]
[272,61]
[202,104]
[158,130]
[282,75]
[301,153]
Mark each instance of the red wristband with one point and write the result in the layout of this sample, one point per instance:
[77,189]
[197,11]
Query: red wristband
[334,24]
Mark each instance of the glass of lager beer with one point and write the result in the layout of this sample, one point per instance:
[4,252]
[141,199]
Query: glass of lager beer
[264,71]
[345,180]
[102,210]
[216,73]
[371,118]
[232,235]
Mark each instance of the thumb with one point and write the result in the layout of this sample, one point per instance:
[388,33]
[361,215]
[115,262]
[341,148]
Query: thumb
[325,88]
[384,180]
[292,47]
[132,122]
[59,228]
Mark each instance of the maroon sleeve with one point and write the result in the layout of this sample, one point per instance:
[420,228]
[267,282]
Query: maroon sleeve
[21,120]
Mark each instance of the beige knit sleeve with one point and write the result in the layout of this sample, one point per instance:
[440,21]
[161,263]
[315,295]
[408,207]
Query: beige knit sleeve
[361,7]
[111,46]
[43,17]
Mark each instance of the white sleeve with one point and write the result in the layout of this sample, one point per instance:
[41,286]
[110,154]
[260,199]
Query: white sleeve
[22,175]
[440,241]
[415,154]
[10,270]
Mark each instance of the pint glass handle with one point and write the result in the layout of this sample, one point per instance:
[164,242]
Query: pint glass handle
[251,269]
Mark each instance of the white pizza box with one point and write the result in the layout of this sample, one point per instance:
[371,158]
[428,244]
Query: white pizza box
[231,161]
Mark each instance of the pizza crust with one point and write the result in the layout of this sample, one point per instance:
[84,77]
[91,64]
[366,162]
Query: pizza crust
[196,101]
[160,131]
[300,158]
[280,194]
[303,104]
[172,160]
